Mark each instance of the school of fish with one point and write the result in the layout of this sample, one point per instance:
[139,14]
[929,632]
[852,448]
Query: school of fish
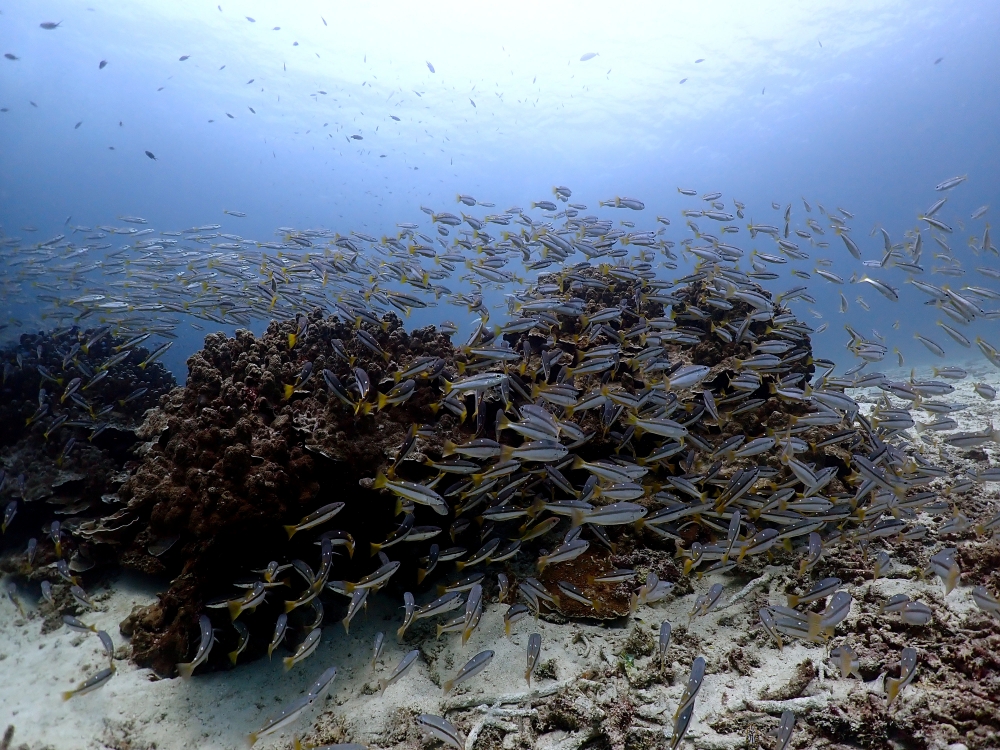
[608,401]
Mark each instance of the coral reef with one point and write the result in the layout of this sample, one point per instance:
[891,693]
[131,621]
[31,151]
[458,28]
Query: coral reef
[256,440]
[70,403]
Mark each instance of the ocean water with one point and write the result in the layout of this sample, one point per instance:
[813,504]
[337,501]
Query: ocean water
[251,107]
[180,168]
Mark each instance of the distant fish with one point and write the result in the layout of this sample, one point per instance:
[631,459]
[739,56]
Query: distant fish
[184,57]
[78,125]
[251,20]
[230,116]
[323,20]
[49,25]
[249,82]
[150,155]
[239,214]
[394,118]
[683,80]
[358,137]
[699,60]
[938,60]
[276,28]
[102,64]
[588,56]
[473,103]
[252,110]
[430,67]
[11,56]
[951,182]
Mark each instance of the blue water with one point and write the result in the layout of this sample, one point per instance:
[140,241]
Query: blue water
[865,106]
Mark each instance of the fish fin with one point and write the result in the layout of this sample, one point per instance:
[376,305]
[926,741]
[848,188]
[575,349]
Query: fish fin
[291,530]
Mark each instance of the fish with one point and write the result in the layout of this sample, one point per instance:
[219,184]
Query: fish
[204,648]
[280,630]
[242,641]
[316,518]
[986,601]
[97,681]
[404,665]
[441,729]
[950,183]
[288,716]
[534,650]
[8,515]
[783,732]
[305,649]
[847,661]
[474,666]
[894,686]
[663,642]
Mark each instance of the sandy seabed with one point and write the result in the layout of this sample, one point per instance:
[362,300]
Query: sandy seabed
[599,685]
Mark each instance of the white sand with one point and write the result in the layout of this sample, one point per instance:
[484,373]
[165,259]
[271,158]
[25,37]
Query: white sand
[218,710]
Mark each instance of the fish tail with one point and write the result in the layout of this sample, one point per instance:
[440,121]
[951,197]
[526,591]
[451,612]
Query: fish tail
[185,670]
[289,606]
[234,654]
[380,481]
[892,688]
[382,400]
[449,449]
[288,662]
[793,601]
[235,608]
[448,685]
[346,622]
[291,530]
[527,676]
[448,386]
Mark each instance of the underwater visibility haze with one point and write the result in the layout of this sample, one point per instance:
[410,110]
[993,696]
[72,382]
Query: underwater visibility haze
[565,328]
